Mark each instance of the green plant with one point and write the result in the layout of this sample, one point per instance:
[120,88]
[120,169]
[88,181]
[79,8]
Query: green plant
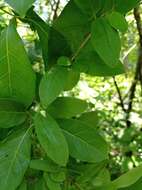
[50,141]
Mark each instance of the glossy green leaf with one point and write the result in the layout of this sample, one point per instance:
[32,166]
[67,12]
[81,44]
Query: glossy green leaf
[118,21]
[128,178]
[51,139]
[68,107]
[42,29]
[20,6]
[11,114]
[14,159]
[52,85]
[52,185]
[17,79]
[84,142]
[106,41]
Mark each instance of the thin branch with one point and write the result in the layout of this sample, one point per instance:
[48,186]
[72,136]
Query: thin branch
[119,95]
[55,15]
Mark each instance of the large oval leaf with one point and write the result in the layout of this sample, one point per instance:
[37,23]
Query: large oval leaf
[52,84]
[69,107]
[84,142]
[20,6]
[17,79]
[51,139]
[14,159]
[106,41]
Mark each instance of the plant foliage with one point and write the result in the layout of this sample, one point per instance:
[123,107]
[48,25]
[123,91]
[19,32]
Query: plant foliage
[51,142]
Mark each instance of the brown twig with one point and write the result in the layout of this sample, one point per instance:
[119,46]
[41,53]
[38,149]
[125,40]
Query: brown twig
[56,10]
[119,95]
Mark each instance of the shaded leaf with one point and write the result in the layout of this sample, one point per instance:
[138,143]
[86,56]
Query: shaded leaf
[124,6]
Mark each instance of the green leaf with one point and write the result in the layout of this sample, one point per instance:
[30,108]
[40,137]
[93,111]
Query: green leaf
[11,114]
[124,6]
[52,84]
[17,79]
[52,185]
[44,165]
[89,62]
[58,177]
[42,29]
[90,171]
[14,159]
[102,178]
[23,186]
[118,21]
[55,51]
[84,142]
[92,7]
[135,186]
[106,41]
[39,184]
[69,107]
[20,6]
[63,61]
[90,118]
[73,25]
[109,186]
[128,178]
[72,79]
[51,139]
